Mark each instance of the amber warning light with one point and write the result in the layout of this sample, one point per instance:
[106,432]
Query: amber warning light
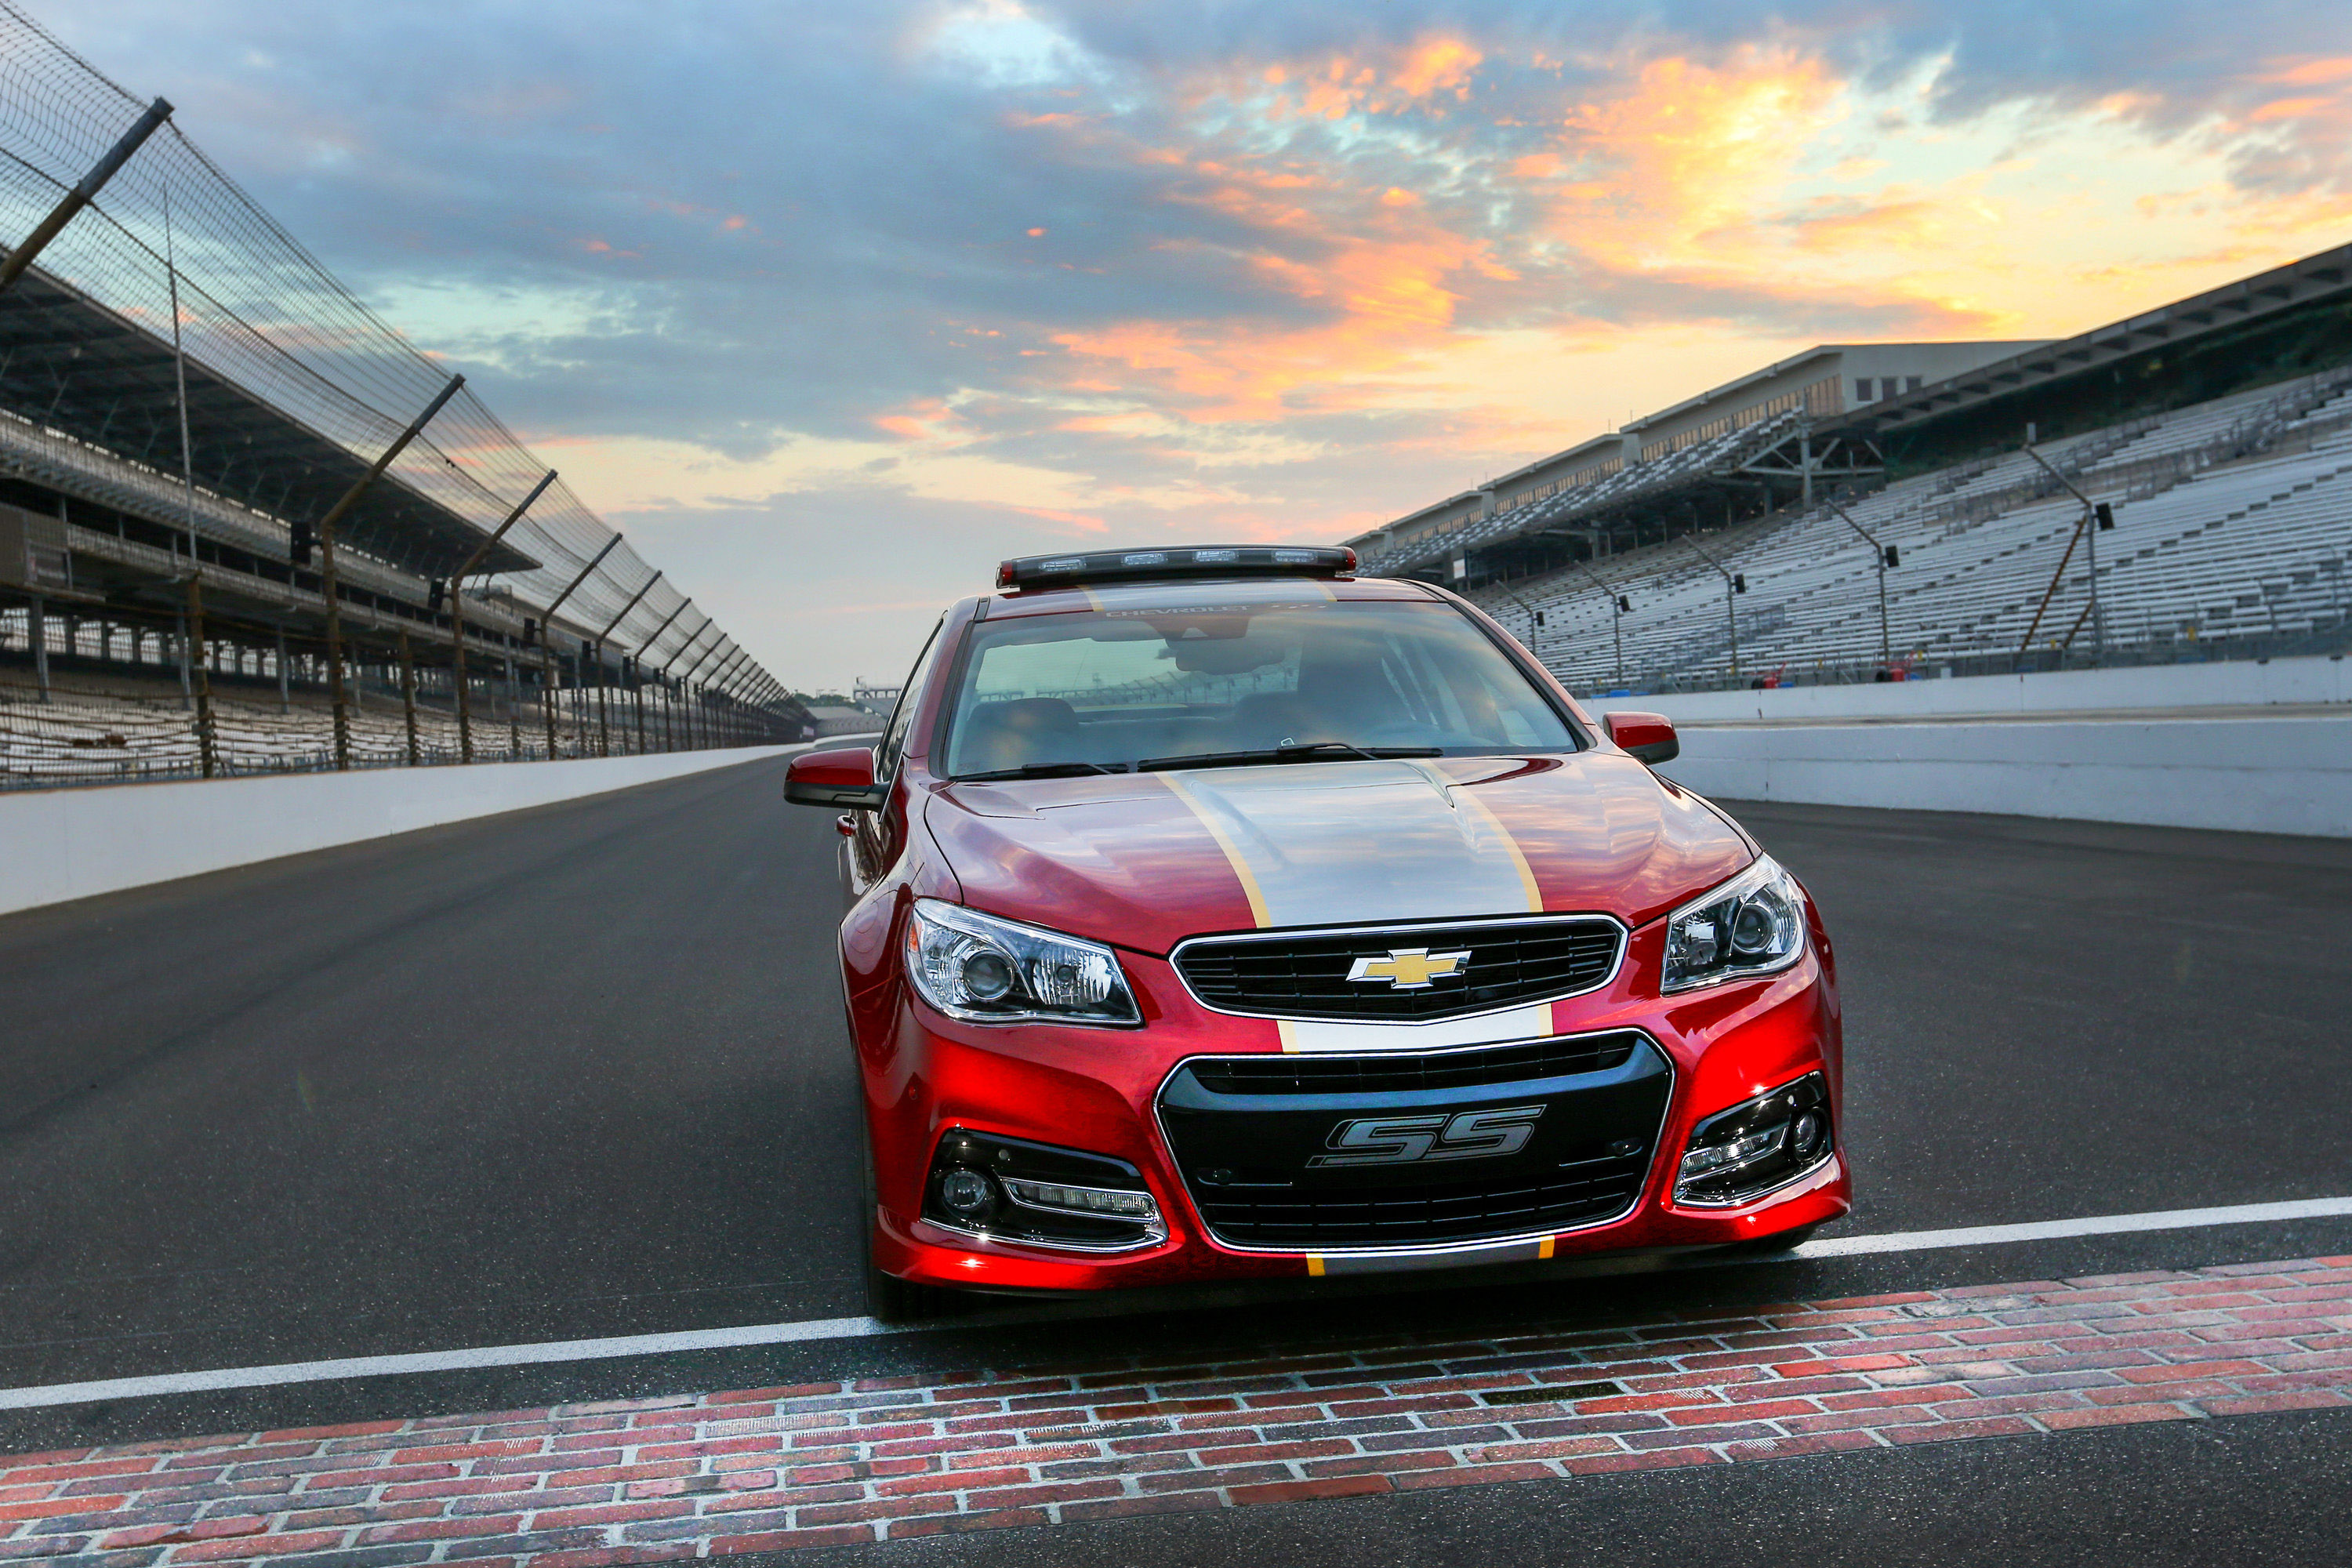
[1182,561]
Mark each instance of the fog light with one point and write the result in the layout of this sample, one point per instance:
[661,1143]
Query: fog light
[1737,1156]
[966,1193]
[1806,1135]
[1060,1199]
[1010,1190]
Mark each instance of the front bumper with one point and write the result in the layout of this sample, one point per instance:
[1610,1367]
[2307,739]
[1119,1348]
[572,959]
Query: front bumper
[1576,1156]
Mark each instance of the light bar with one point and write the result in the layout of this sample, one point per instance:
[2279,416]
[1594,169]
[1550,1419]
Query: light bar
[1178,560]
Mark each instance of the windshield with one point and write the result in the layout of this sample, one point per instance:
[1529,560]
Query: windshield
[1118,690]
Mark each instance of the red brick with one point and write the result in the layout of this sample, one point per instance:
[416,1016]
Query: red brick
[965,1524]
[1710,1415]
[2182,1370]
[462,1487]
[1042,1493]
[1265,1453]
[54,1507]
[1655,1459]
[440,1528]
[1858,1421]
[611,1513]
[1821,1364]
[1126,1507]
[1301,1491]
[878,1509]
[2112,1416]
[1800,1447]
[1884,1398]
[1380,1464]
[936,1481]
[258,1546]
[1472,1476]
[28,1475]
[1959,1431]
[1544,1448]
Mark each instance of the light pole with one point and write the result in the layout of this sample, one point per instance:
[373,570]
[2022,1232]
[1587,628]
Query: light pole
[1733,583]
[1885,556]
[2089,527]
[1617,609]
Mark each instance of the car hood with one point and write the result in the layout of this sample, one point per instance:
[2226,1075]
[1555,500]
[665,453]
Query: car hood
[1145,860]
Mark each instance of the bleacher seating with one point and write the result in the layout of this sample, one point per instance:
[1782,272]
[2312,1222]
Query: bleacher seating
[2231,521]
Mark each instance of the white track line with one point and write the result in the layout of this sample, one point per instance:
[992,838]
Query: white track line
[559,1350]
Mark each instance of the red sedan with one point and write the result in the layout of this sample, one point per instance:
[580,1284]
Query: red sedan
[1216,914]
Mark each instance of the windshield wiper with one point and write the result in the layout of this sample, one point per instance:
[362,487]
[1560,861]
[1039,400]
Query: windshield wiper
[1043,771]
[1315,752]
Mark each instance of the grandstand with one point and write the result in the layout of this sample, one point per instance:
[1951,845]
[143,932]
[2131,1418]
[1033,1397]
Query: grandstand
[2174,487]
[245,526]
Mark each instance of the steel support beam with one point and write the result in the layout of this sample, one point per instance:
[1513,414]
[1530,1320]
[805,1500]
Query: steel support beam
[330,587]
[457,614]
[79,196]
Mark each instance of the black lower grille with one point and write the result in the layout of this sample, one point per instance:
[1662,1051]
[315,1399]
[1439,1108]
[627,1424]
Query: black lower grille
[1291,1074]
[1438,1212]
[1317,1154]
[1480,964]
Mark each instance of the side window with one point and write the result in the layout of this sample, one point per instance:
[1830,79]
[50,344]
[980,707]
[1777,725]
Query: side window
[910,697]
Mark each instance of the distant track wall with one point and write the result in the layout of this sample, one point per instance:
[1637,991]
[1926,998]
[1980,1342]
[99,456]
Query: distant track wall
[75,843]
[2252,775]
[2236,683]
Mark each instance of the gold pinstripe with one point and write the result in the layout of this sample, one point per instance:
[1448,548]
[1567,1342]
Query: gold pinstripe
[1465,797]
[1225,842]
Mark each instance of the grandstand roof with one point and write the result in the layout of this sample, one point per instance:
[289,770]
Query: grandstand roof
[2291,287]
[71,363]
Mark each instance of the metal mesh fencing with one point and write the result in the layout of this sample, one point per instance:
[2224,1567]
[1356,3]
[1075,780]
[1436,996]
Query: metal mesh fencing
[260,311]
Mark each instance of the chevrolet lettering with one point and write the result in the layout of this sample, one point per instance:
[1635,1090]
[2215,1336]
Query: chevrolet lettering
[1212,913]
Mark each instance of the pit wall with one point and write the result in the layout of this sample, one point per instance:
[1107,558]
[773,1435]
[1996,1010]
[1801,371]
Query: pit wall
[1948,745]
[2236,683]
[63,844]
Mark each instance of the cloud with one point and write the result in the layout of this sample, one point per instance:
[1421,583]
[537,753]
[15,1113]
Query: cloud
[809,276]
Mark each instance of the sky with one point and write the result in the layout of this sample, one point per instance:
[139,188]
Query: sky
[830,307]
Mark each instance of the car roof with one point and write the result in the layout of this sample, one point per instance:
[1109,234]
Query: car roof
[1176,596]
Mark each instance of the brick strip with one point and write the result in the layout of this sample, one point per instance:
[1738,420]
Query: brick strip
[831,1463]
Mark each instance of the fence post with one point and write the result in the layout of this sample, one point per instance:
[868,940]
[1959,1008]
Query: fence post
[205,752]
[408,697]
[36,629]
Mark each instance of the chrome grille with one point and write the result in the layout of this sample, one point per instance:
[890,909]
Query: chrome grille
[1304,974]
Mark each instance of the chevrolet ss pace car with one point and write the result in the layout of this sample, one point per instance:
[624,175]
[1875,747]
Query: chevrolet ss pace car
[1214,913]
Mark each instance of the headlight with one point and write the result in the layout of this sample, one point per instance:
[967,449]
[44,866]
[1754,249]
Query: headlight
[987,970]
[1753,925]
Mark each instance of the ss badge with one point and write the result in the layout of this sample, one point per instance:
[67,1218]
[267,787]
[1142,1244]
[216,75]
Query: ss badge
[1405,1139]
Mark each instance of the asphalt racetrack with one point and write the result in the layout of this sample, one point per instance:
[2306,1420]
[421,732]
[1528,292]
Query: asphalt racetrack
[580,1072]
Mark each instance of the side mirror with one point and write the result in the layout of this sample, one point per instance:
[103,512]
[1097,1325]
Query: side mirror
[840,778]
[1648,737]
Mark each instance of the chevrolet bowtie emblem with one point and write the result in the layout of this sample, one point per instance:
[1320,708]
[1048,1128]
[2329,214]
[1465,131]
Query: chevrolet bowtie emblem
[1407,968]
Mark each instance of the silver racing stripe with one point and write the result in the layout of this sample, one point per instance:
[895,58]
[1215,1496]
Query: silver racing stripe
[1326,843]
[1349,843]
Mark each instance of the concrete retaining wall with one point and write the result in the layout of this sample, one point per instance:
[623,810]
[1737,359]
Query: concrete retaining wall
[2253,773]
[63,844]
[2236,683]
